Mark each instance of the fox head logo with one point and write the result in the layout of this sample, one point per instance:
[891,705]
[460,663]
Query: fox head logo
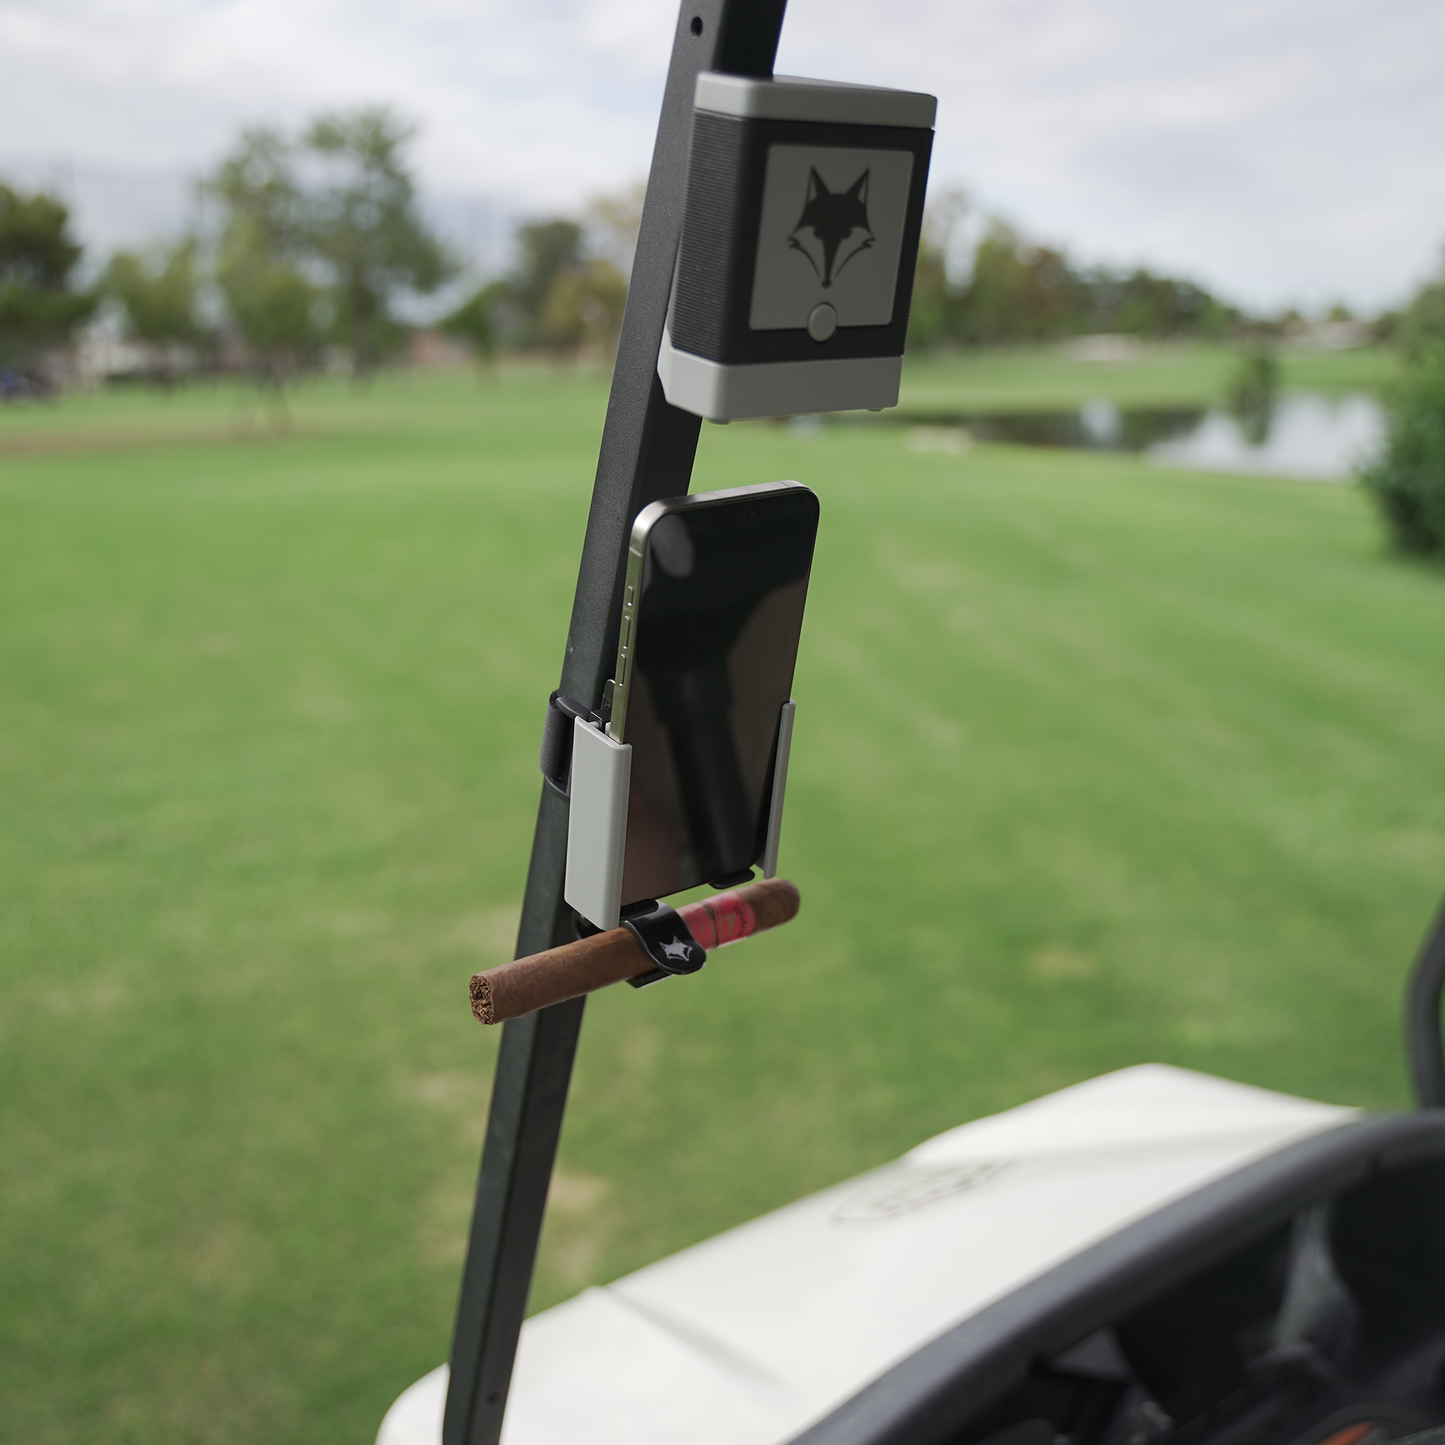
[833,227]
[678,948]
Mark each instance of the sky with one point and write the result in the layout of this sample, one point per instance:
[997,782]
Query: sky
[1282,152]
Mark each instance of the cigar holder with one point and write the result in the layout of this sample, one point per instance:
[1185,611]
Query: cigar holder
[667,941]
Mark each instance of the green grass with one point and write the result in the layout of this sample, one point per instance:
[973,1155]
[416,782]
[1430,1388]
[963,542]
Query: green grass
[1095,764]
[1164,376]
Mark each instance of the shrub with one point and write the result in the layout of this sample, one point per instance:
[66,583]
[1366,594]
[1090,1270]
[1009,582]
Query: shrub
[1408,481]
[1252,392]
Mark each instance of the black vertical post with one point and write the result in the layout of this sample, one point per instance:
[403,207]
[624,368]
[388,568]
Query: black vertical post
[647,452]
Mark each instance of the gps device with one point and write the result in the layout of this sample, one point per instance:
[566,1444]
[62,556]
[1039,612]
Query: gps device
[682,783]
[799,241]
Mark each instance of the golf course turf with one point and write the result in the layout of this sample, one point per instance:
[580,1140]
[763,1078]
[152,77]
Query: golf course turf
[1095,764]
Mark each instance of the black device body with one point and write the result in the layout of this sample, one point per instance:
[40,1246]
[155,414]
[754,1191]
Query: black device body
[712,614]
[719,251]
[795,266]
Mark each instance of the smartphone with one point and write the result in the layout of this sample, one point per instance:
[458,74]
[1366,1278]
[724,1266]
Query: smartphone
[711,616]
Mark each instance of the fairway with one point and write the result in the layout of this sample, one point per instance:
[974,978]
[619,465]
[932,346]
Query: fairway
[1095,764]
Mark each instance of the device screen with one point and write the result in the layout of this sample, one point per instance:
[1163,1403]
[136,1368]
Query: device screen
[714,641]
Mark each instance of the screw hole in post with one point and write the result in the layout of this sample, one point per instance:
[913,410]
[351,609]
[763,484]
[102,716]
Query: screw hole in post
[696,26]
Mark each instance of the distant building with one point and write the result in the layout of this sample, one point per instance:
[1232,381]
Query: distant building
[1104,346]
[429,350]
[1333,335]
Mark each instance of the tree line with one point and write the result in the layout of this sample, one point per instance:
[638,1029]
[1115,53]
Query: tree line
[305,244]
[1015,291]
[307,241]
[563,292]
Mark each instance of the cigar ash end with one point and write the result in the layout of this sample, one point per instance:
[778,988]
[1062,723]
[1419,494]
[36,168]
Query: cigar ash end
[482,998]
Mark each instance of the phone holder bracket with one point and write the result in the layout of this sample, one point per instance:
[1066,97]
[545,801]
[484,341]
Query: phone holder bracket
[597,823]
[780,783]
[597,790]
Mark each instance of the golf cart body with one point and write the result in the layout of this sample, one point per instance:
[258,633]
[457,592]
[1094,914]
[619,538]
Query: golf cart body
[1153,1255]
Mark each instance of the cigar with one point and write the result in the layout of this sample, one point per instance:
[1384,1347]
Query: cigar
[517,988]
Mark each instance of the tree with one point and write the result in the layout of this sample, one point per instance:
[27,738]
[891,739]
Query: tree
[1252,392]
[39,303]
[158,292]
[545,250]
[319,234]
[281,315]
[584,307]
[363,224]
[536,303]
[1019,292]
[1141,303]
[263,254]
[933,315]
[559,292]
[1408,481]
[613,220]
[474,321]
[931,321]
[1421,329]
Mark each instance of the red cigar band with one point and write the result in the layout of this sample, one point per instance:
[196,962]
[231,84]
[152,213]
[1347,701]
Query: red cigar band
[716,921]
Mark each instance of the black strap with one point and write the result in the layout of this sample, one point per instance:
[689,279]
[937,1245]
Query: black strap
[556,760]
[667,941]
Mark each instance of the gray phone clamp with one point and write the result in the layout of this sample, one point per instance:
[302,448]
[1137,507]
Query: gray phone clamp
[597,789]
[800,237]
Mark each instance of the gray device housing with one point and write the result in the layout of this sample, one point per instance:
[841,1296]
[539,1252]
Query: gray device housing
[800,236]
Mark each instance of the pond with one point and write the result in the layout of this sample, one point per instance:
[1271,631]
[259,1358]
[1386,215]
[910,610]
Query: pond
[1303,435]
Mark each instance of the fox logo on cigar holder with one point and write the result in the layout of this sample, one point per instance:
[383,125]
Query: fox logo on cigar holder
[800,235]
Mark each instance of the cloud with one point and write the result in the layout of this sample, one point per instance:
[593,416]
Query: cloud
[1278,149]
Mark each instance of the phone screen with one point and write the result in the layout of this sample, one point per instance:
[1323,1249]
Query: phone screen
[714,640]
